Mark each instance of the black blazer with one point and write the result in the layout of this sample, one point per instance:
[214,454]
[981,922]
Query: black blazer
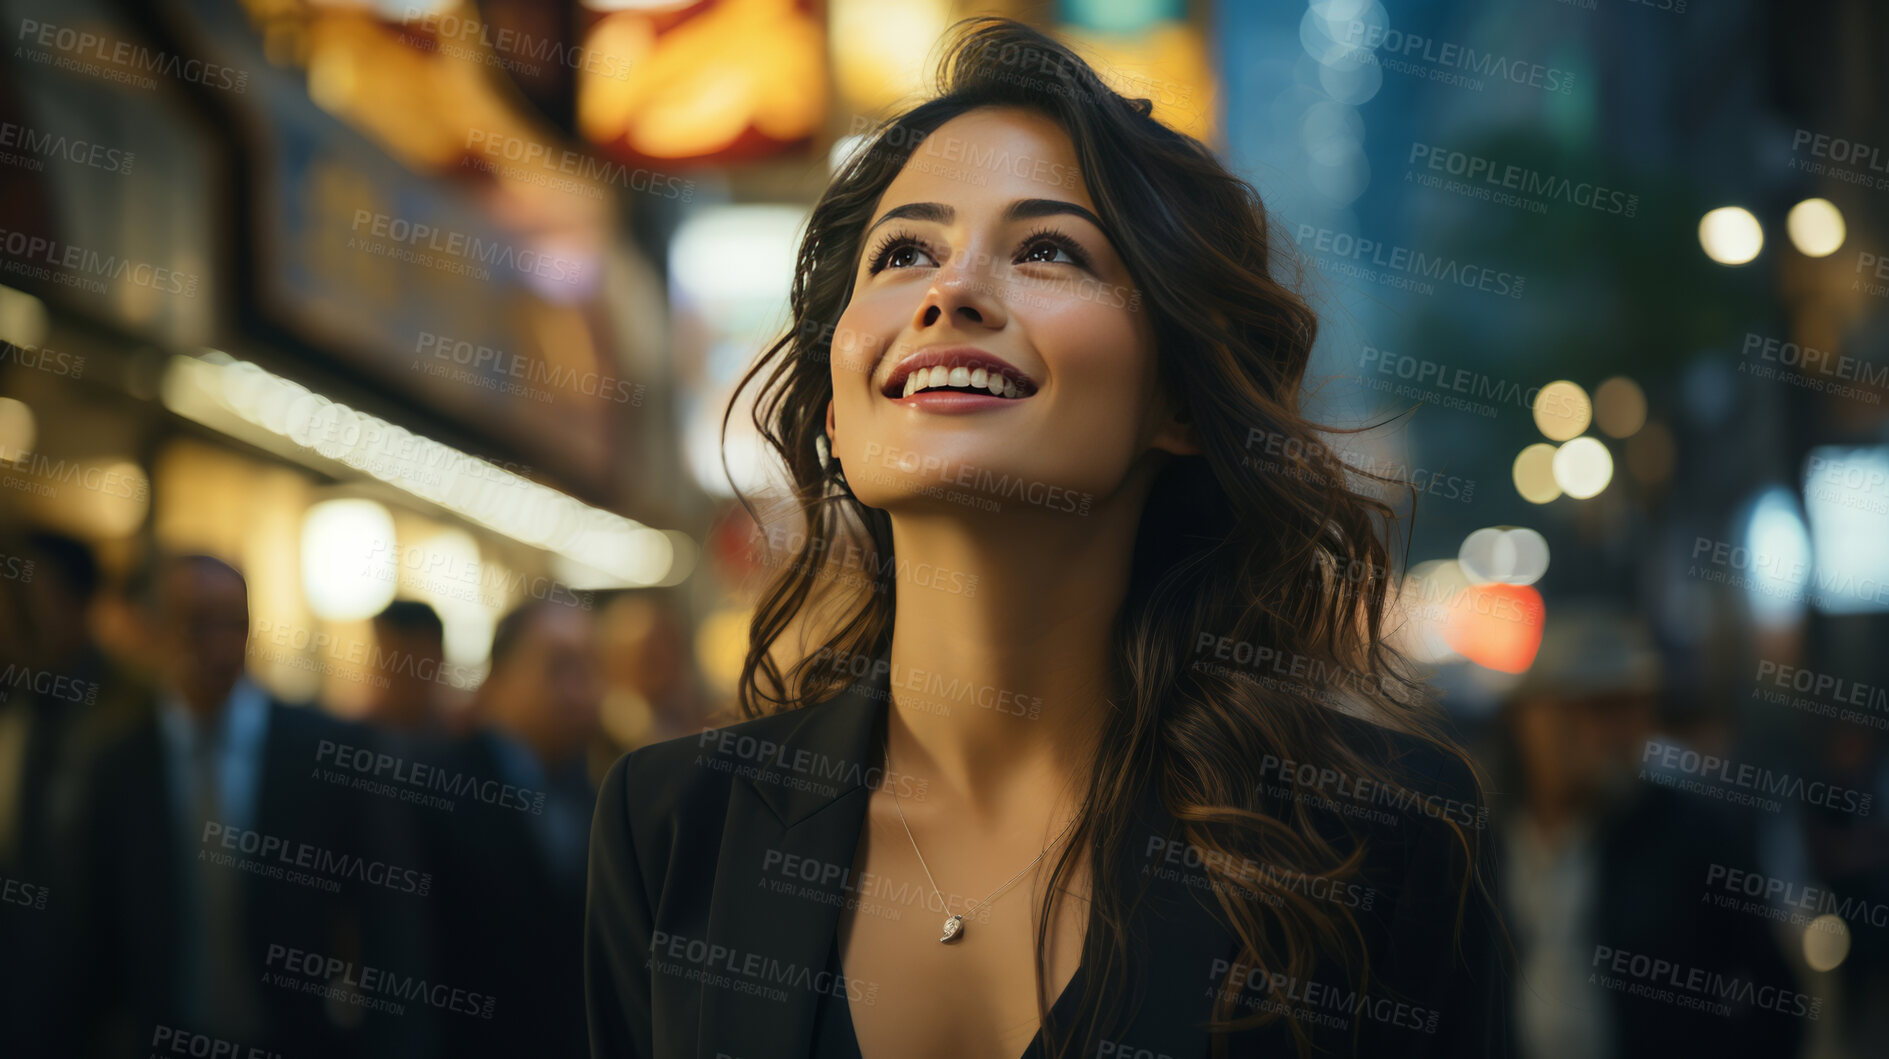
[685,937]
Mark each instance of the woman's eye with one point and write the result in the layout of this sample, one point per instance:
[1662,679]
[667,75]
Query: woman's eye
[1048,252]
[907,256]
[899,252]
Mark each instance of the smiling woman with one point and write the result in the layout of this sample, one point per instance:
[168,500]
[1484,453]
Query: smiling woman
[1034,334]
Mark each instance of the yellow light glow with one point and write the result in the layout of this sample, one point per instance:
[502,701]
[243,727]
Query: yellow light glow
[1620,407]
[1826,942]
[1730,235]
[471,488]
[1534,474]
[879,49]
[1168,65]
[1562,410]
[22,318]
[348,559]
[1816,227]
[19,430]
[1583,467]
[694,90]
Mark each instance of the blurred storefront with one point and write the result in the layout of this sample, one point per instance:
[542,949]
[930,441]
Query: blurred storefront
[277,289]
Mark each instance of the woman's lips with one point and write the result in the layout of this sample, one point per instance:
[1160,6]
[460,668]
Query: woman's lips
[963,367]
[951,401]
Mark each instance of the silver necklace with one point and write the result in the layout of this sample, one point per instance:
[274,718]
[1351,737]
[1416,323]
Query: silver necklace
[954,924]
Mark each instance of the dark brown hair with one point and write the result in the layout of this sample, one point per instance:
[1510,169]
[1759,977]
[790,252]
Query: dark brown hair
[1288,556]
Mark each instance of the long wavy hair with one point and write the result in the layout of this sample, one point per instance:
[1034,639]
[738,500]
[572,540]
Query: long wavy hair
[1283,552]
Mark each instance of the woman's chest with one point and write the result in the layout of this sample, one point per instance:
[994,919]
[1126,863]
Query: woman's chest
[974,994]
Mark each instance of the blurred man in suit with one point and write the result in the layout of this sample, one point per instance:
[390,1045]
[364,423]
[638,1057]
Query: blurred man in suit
[515,923]
[1601,861]
[189,920]
[410,649]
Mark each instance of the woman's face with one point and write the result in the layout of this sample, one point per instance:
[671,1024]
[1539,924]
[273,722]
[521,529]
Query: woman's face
[986,258]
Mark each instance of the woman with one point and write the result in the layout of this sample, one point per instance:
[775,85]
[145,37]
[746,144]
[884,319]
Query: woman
[1077,611]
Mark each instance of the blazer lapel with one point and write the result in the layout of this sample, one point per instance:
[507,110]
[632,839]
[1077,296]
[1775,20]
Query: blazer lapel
[770,932]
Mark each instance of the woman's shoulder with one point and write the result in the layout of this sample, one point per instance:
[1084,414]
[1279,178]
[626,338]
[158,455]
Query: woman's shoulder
[687,782]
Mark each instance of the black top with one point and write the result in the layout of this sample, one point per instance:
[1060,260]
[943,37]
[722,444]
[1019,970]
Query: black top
[704,935]
[835,1038]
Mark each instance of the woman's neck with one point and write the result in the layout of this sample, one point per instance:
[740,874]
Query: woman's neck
[1002,650]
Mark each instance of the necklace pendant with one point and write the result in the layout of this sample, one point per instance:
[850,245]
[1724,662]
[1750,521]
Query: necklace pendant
[953,928]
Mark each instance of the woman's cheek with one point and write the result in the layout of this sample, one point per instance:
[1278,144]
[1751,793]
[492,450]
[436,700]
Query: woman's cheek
[853,347]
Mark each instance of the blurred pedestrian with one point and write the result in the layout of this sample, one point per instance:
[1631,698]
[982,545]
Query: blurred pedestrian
[188,924]
[513,897]
[1599,862]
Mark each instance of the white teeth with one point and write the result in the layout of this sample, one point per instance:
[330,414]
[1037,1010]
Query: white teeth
[979,378]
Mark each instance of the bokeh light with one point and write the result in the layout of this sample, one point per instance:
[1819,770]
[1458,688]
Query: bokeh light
[1730,235]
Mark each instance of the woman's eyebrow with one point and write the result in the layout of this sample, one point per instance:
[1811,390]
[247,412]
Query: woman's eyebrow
[1020,210]
[918,211]
[1029,209]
